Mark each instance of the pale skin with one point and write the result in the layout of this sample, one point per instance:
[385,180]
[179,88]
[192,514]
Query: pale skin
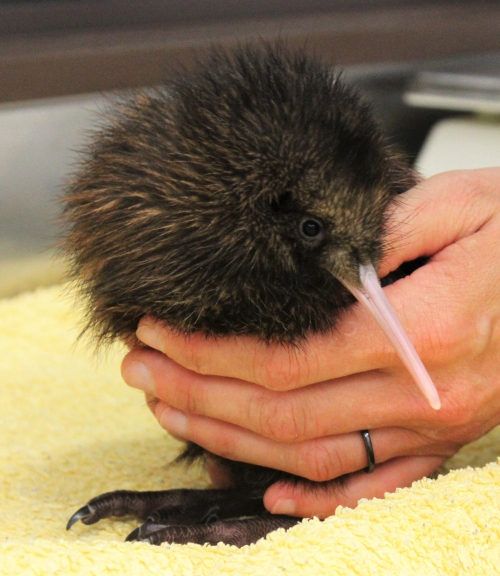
[301,409]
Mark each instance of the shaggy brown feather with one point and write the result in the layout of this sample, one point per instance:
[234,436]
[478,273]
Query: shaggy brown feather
[189,204]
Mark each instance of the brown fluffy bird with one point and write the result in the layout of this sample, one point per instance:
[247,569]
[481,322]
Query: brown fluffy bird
[246,197]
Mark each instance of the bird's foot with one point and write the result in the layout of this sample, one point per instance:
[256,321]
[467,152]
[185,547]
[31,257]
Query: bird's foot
[235,532]
[182,516]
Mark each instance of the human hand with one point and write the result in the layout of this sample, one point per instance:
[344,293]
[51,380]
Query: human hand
[301,409]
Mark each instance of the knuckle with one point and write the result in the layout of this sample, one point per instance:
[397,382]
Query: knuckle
[192,403]
[182,390]
[194,394]
[282,420]
[469,190]
[276,375]
[469,183]
[318,463]
[476,189]
[192,358]
[190,351]
[458,410]
[444,334]
[279,369]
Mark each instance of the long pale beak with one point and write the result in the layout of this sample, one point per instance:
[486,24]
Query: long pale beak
[373,297]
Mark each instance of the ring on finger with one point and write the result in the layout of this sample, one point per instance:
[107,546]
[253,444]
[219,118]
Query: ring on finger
[370,454]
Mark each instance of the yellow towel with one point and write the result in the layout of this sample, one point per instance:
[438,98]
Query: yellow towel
[70,429]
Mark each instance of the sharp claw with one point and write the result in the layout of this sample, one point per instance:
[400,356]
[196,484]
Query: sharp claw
[81,514]
[142,533]
[132,536]
[151,539]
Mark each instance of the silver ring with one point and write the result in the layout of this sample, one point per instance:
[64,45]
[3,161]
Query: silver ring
[370,454]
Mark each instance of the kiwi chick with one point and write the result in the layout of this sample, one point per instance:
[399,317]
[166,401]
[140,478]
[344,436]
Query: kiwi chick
[236,199]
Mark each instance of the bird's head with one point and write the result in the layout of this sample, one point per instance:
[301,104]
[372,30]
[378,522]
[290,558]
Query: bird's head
[307,180]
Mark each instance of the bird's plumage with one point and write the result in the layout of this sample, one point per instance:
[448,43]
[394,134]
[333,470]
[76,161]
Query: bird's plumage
[236,199]
[188,203]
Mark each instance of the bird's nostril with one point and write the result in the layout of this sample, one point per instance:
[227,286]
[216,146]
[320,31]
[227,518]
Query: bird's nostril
[282,202]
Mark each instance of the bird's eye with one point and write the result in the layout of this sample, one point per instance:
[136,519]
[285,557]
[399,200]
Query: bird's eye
[310,228]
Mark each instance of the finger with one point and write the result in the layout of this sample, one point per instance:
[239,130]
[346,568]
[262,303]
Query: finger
[280,367]
[322,501]
[301,414]
[318,459]
[417,225]
[277,366]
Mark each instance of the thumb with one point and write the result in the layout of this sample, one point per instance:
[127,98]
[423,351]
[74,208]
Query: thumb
[322,501]
[438,212]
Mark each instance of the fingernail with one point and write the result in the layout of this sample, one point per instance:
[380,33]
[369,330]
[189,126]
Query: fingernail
[174,421]
[149,335]
[138,375]
[284,507]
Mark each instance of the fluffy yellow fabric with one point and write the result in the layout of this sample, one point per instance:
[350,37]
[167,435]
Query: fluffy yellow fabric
[70,430]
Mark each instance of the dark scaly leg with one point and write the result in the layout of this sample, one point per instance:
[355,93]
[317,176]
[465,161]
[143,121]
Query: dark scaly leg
[187,515]
[235,532]
[184,506]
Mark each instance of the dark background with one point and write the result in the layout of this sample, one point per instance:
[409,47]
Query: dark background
[59,47]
